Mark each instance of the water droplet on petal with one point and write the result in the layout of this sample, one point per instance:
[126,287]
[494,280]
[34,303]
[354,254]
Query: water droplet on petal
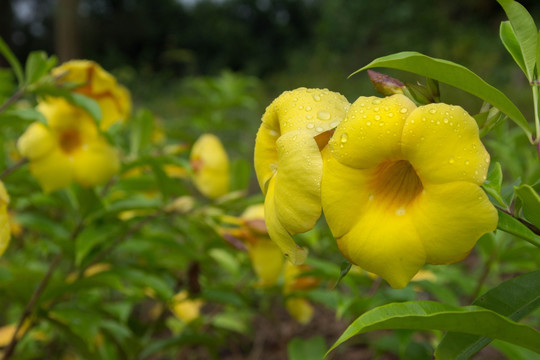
[368,123]
[451,161]
[323,115]
[377,117]
[301,107]
[319,129]
[310,126]
[432,111]
[400,211]
[445,120]
[403,110]
[316,97]
[309,117]
[344,137]
[308,108]
[381,123]
[390,114]
[376,102]
[334,124]
[274,133]
[467,162]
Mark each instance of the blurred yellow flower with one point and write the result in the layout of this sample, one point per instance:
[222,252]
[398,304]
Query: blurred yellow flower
[184,308]
[5,226]
[295,128]
[210,166]
[69,149]
[96,83]
[295,280]
[401,186]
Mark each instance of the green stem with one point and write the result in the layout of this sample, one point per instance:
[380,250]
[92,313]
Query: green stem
[536,117]
[12,99]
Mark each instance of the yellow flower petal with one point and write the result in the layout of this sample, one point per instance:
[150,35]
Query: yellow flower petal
[372,131]
[300,309]
[450,218]
[184,308]
[314,110]
[277,232]
[267,261]
[95,164]
[441,141]
[5,229]
[298,203]
[266,156]
[36,141]
[53,171]
[211,166]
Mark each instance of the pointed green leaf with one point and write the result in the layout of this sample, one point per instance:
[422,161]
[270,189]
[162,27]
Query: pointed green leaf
[493,183]
[525,32]
[508,38]
[531,203]
[37,65]
[12,60]
[514,298]
[430,315]
[88,104]
[455,75]
[513,226]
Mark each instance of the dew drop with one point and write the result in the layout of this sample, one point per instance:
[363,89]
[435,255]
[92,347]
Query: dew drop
[376,108]
[309,117]
[376,102]
[377,117]
[316,97]
[451,161]
[344,138]
[381,123]
[334,124]
[323,115]
[445,120]
[319,129]
[370,198]
[308,108]
[403,110]
[400,211]
[310,126]
[432,111]
[274,133]
[390,114]
[368,123]
[301,107]
[467,162]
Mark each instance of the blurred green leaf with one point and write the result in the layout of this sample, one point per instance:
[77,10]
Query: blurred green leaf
[455,75]
[514,298]
[531,203]
[12,60]
[25,115]
[87,240]
[37,65]
[510,42]
[430,315]
[240,174]
[141,130]
[493,183]
[88,104]
[81,322]
[525,32]
[301,349]
[513,226]
[234,320]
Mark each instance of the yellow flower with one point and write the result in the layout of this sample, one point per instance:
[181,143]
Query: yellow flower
[184,308]
[211,166]
[288,161]
[401,186]
[299,307]
[69,149]
[5,226]
[96,83]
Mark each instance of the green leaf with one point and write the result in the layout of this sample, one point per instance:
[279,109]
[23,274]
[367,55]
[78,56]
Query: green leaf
[430,315]
[525,33]
[88,104]
[141,132]
[12,60]
[345,267]
[531,203]
[514,298]
[301,349]
[493,183]
[513,226]
[455,75]
[37,65]
[510,42]
[26,115]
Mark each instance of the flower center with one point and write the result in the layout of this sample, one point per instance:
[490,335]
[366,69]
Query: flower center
[70,140]
[395,184]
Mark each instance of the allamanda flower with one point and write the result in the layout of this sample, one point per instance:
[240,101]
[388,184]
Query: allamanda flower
[295,128]
[69,149]
[210,166]
[113,99]
[5,232]
[401,186]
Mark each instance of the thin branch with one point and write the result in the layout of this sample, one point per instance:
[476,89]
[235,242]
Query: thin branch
[13,167]
[531,227]
[37,293]
[12,99]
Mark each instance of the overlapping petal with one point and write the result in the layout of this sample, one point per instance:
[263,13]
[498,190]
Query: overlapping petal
[288,161]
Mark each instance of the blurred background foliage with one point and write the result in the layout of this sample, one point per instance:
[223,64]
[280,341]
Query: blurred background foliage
[212,66]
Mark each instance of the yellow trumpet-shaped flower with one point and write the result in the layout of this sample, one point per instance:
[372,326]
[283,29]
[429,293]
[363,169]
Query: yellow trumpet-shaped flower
[184,308]
[69,149]
[401,186]
[288,161]
[113,99]
[5,227]
[211,166]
